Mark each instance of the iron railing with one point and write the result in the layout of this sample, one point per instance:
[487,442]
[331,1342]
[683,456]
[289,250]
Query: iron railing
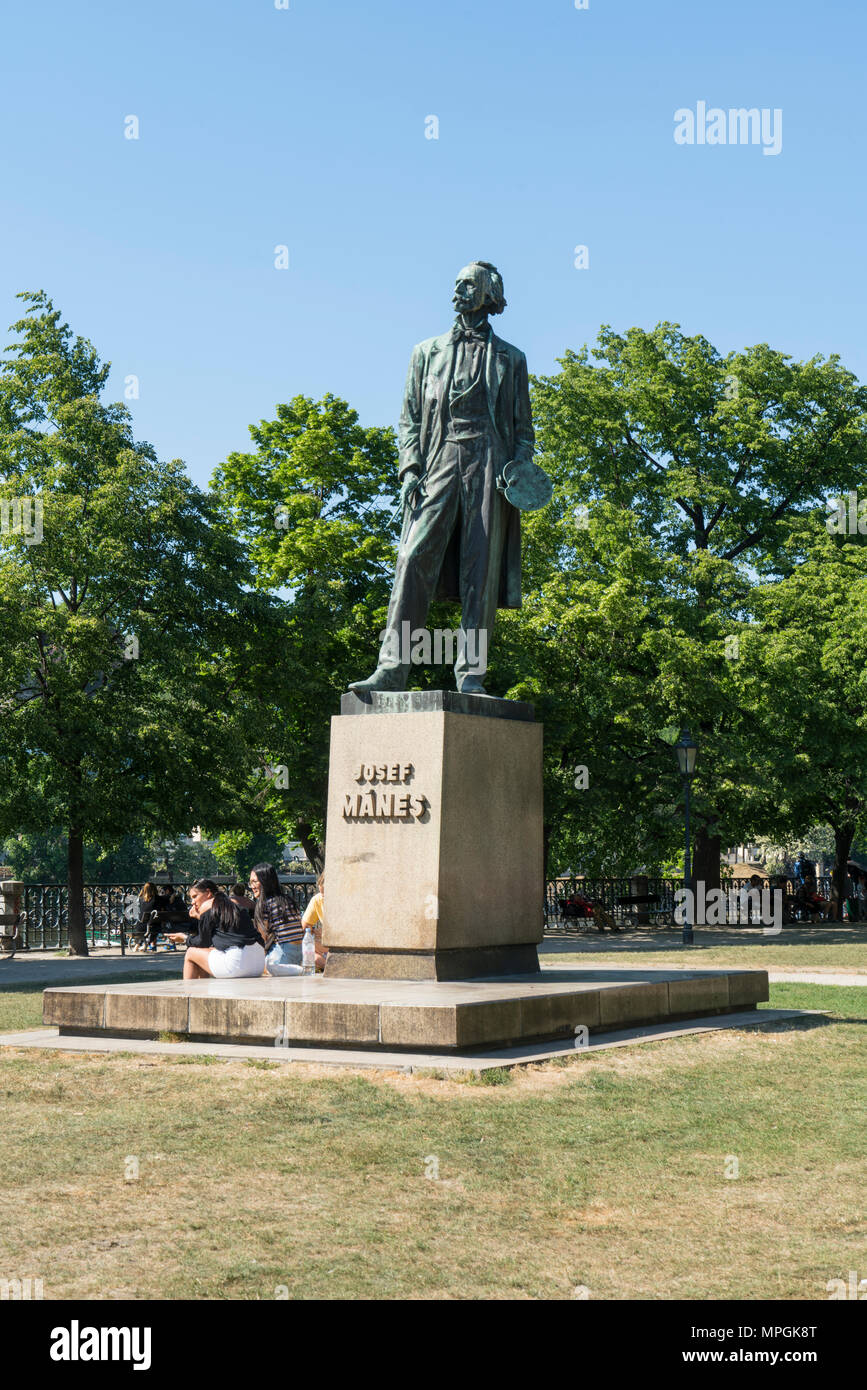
[111,911]
[646,901]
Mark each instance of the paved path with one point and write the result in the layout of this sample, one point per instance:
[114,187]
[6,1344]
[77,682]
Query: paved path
[814,977]
[670,939]
[44,968]
[795,977]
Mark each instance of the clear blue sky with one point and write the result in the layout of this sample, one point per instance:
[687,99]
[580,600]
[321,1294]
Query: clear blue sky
[306,127]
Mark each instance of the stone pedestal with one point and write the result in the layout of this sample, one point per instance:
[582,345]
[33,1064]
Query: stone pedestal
[411,1015]
[434,837]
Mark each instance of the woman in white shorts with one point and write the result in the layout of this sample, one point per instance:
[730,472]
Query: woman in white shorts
[227,946]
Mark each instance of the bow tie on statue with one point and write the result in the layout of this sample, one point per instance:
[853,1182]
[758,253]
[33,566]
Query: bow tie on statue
[471,335]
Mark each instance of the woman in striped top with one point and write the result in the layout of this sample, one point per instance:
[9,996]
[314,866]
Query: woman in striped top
[278,921]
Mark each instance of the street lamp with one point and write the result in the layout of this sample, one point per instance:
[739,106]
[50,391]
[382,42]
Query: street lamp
[686,750]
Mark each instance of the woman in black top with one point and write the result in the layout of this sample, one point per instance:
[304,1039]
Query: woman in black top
[227,945]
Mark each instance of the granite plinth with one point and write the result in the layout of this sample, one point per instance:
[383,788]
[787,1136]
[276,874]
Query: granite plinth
[400,1014]
[472,962]
[435,856]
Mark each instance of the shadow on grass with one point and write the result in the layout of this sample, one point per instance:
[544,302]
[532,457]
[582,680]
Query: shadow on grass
[803,1025]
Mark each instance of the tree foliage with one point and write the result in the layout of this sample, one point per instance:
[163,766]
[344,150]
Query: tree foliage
[127,634]
[312,502]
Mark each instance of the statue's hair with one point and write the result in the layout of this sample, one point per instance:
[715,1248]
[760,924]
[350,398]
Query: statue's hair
[495,298]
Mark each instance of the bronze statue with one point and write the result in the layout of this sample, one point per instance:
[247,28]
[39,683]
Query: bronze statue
[466,468]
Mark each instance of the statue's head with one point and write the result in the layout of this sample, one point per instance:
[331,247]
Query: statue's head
[479,286]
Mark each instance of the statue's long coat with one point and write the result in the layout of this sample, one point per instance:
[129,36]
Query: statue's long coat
[423,422]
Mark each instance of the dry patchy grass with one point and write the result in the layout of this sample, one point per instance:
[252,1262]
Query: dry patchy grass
[608,1171]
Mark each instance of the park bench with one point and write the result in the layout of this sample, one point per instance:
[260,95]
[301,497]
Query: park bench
[644,909]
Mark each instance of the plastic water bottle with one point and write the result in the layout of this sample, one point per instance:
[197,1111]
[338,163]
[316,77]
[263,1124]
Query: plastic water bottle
[308,953]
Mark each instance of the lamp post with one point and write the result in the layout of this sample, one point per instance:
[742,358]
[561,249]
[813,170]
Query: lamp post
[686,750]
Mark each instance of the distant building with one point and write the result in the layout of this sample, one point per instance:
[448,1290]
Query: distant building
[743,854]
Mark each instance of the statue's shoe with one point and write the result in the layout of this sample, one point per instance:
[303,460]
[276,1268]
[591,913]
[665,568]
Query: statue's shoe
[383,678]
[471,685]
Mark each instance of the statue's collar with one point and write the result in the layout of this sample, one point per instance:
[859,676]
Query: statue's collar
[481,334]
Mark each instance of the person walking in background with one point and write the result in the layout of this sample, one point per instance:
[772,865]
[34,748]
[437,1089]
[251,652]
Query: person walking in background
[227,946]
[853,883]
[278,921]
[314,916]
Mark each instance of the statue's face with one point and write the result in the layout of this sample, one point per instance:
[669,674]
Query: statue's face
[469,295]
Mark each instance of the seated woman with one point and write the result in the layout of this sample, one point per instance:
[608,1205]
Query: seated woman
[151,908]
[227,945]
[278,920]
[811,902]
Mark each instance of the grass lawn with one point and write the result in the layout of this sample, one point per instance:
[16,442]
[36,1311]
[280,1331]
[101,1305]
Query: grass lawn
[603,1170]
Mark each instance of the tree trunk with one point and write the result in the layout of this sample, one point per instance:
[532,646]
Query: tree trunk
[312,848]
[77,931]
[843,837]
[705,859]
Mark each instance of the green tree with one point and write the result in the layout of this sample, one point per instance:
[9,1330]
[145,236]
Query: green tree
[44,858]
[237,853]
[614,655]
[803,670]
[128,637]
[717,458]
[36,858]
[192,860]
[312,502]
[130,860]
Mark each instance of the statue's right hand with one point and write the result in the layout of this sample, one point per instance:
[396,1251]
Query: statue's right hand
[411,482]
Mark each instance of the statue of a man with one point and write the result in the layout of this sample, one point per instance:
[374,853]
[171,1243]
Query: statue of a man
[466,466]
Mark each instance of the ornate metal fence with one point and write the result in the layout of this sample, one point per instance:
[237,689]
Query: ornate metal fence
[111,911]
[639,901]
[646,902]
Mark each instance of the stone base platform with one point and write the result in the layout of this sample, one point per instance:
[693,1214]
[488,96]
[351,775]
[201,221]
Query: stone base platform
[401,1014]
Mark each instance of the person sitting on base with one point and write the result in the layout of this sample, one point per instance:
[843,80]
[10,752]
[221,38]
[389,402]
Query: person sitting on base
[314,916]
[227,945]
[278,921]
